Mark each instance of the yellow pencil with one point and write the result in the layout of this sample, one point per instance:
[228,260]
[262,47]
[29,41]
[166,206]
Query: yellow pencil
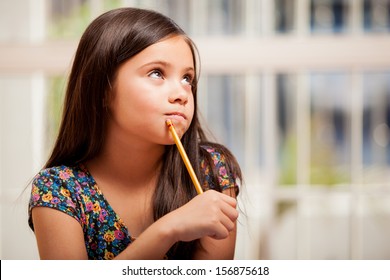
[184,157]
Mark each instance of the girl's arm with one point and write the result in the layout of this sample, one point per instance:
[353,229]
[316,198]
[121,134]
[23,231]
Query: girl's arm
[213,214]
[210,217]
[59,236]
[212,249]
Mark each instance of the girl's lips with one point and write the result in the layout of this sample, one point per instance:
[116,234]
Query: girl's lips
[176,115]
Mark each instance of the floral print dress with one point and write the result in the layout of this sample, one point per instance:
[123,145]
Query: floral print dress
[73,190]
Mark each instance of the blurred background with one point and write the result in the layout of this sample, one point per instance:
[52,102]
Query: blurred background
[299,90]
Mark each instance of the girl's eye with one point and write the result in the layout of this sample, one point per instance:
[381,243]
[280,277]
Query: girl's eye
[156,74]
[187,80]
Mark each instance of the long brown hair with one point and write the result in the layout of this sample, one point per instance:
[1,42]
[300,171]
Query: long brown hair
[110,40]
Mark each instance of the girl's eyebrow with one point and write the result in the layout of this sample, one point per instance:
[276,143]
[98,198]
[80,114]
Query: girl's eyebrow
[166,64]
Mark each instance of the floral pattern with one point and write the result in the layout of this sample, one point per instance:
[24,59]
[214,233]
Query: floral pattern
[73,191]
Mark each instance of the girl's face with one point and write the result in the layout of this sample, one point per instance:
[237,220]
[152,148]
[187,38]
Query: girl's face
[151,87]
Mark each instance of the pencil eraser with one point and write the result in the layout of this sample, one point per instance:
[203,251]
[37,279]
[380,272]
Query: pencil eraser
[169,123]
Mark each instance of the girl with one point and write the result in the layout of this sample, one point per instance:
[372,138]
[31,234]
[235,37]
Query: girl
[115,186]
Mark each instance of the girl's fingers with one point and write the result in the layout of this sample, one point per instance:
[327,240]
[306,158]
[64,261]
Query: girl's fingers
[227,205]
[223,197]
[210,214]
[223,220]
[228,223]
[220,233]
[230,212]
[223,228]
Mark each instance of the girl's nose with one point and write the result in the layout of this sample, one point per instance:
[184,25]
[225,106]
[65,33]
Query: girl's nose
[178,94]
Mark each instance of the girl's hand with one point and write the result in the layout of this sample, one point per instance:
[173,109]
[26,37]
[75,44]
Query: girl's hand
[210,214]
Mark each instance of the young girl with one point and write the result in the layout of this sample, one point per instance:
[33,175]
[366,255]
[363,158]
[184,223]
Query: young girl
[115,186]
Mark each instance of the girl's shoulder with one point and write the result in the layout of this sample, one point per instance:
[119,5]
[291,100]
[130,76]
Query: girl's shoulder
[212,156]
[71,171]
[60,184]
[219,167]
[63,188]
[71,178]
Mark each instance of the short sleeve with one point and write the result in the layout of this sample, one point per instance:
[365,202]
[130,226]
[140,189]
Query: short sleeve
[54,188]
[217,174]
